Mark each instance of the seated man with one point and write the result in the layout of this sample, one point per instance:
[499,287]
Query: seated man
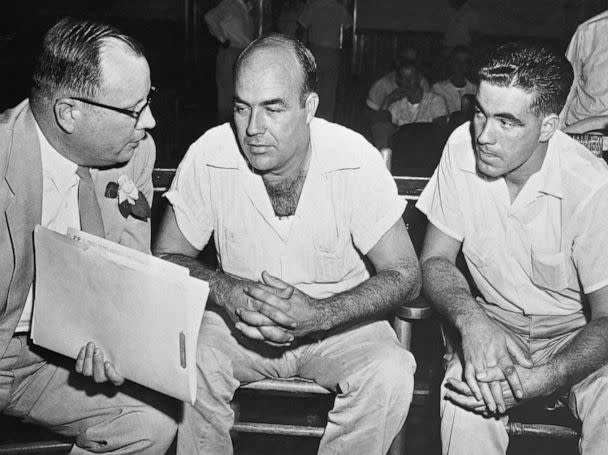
[83,127]
[528,207]
[456,85]
[388,83]
[408,103]
[294,203]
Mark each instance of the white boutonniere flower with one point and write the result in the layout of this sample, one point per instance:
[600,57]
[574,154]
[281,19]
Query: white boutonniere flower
[131,201]
[127,190]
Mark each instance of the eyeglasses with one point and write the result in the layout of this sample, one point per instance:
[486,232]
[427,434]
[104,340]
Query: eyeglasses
[129,112]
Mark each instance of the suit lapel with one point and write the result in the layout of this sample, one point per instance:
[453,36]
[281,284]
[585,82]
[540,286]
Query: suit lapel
[21,195]
[24,177]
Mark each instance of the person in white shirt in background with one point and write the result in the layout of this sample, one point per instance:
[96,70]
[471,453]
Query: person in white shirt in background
[587,101]
[323,25]
[232,24]
[457,85]
[463,24]
[407,103]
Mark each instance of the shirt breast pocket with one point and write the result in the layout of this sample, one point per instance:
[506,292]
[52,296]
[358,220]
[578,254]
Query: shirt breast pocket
[239,256]
[550,270]
[329,258]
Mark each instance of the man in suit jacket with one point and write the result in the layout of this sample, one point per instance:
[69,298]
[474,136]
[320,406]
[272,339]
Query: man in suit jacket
[88,112]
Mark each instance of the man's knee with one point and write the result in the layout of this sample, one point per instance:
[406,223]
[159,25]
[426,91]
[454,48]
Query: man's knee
[391,374]
[160,428]
[590,393]
[135,428]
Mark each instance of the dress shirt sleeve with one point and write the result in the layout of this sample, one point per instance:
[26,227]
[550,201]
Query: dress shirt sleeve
[190,197]
[439,201]
[376,95]
[573,56]
[376,203]
[439,107]
[591,244]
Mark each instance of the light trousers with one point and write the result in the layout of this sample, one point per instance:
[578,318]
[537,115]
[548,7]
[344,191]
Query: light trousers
[372,375]
[40,387]
[464,432]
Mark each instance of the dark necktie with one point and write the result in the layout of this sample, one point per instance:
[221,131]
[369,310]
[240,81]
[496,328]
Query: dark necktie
[88,206]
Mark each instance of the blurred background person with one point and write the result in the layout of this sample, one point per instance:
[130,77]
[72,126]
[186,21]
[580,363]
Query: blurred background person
[457,84]
[232,24]
[463,24]
[322,25]
[287,23]
[588,98]
[388,83]
[408,103]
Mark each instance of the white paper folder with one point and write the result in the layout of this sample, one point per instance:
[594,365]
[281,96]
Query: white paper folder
[142,312]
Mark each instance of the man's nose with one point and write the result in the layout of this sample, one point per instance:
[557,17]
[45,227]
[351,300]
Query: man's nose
[146,119]
[257,123]
[485,134]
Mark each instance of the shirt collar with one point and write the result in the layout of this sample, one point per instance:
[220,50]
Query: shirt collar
[330,162]
[548,178]
[55,167]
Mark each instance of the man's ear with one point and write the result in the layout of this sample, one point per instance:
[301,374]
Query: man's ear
[66,114]
[548,127]
[312,102]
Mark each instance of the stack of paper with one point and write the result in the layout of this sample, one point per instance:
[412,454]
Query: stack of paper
[142,312]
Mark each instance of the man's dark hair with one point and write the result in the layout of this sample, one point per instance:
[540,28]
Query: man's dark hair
[408,63]
[69,60]
[304,56]
[535,69]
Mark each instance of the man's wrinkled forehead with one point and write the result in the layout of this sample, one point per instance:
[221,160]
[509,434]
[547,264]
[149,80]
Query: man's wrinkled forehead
[271,63]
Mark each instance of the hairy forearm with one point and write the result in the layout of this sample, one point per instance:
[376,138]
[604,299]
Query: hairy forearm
[586,353]
[375,298]
[448,291]
[221,286]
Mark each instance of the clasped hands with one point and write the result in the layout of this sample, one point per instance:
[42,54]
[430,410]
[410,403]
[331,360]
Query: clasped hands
[497,371]
[275,312]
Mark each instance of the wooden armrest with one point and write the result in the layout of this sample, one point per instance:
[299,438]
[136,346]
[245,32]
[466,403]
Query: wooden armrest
[541,431]
[35,447]
[288,385]
[417,309]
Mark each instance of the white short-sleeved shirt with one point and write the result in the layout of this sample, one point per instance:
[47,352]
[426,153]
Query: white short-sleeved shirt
[348,202]
[429,108]
[453,94]
[588,54]
[539,254]
[233,21]
[384,87]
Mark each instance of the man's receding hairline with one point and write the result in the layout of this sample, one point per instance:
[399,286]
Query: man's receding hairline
[269,46]
[112,42]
